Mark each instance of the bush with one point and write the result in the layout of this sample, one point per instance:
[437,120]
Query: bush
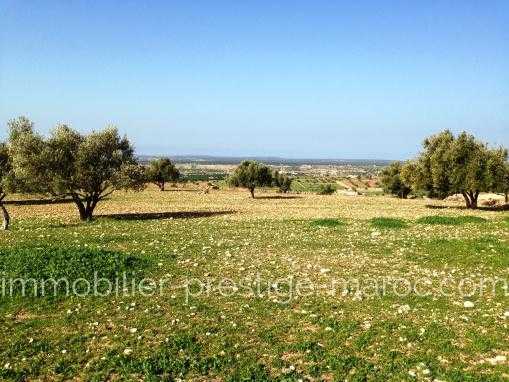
[326,189]
[71,264]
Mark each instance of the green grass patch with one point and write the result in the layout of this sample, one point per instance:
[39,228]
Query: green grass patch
[482,343]
[451,220]
[183,355]
[485,251]
[330,223]
[42,264]
[390,223]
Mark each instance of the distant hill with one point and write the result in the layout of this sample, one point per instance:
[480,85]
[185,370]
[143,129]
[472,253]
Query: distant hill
[206,159]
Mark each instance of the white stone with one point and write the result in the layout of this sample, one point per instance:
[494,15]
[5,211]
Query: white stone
[403,309]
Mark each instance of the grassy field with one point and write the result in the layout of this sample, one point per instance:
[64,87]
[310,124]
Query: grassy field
[282,287]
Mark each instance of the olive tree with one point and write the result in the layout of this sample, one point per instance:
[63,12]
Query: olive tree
[282,182]
[251,174]
[457,165]
[504,184]
[5,182]
[392,181]
[160,171]
[86,168]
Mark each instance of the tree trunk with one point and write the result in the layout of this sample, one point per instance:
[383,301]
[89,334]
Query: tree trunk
[86,209]
[475,196]
[90,206]
[467,199]
[5,216]
[471,198]
[506,196]
[251,190]
[81,207]
[89,211]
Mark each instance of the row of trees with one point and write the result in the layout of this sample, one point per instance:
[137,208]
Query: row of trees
[88,168]
[451,165]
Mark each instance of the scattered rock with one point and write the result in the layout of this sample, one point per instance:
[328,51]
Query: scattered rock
[497,359]
[403,309]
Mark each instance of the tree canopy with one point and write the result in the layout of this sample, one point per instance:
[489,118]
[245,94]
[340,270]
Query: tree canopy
[392,181]
[160,171]
[457,165]
[251,174]
[86,168]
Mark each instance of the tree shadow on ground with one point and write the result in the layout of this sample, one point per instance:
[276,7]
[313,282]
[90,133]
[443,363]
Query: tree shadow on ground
[165,215]
[37,202]
[278,197]
[498,207]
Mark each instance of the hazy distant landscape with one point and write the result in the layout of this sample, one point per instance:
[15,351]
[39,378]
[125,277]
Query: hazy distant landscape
[208,160]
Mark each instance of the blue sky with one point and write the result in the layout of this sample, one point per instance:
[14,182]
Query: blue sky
[324,79]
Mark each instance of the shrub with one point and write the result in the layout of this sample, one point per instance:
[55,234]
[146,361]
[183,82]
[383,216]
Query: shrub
[326,189]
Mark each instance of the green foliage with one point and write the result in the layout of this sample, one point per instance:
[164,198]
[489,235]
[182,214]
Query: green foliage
[451,165]
[19,126]
[326,189]
[392,181]
[251,174]
[85,167]
[160,171]
[450,220]
[42,264]
[390,223]
[282,182]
